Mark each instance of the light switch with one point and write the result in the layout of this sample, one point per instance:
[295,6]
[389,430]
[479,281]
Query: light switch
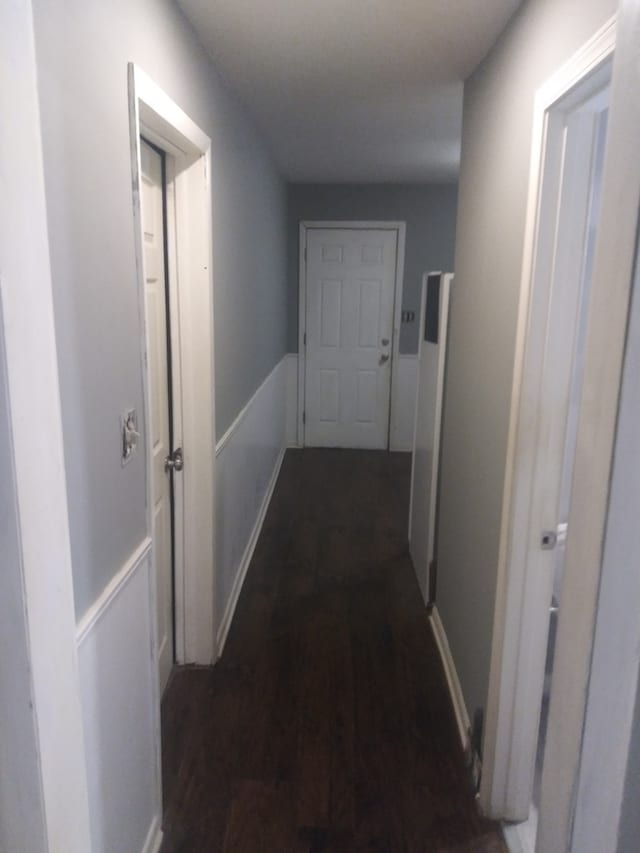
[129,433]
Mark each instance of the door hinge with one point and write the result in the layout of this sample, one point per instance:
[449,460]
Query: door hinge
[304,417]
[305,338]
[305,254]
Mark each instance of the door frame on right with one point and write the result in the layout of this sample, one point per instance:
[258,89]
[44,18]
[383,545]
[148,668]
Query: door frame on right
[305,225]
[520,634]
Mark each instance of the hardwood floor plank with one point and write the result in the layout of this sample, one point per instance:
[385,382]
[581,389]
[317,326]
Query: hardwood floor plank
[326,727]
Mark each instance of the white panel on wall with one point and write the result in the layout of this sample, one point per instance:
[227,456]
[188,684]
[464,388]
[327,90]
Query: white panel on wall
[291,404]
[120,713]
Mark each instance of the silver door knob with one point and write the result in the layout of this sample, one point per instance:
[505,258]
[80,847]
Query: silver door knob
[174,461]
[384,358]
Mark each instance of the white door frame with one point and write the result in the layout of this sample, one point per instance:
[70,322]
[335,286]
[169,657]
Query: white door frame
[401,229]
[28,329]
[519,639]
[155,116]
[424,572]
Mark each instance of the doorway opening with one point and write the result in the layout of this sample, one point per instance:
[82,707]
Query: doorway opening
[350,298]
[569,143]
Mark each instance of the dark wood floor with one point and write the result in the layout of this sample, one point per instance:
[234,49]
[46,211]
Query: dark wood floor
[326,725]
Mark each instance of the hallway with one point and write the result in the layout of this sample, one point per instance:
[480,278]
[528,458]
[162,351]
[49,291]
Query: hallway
[326,725]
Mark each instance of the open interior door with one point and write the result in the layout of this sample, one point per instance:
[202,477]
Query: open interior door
[434,313]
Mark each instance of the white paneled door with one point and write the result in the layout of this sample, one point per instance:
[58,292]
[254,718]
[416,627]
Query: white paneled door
[350,285]
[156,316]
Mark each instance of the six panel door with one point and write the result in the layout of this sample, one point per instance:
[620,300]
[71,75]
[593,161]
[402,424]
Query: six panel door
[350,284]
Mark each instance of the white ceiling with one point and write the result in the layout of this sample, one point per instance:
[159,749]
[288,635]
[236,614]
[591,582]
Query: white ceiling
[353,90]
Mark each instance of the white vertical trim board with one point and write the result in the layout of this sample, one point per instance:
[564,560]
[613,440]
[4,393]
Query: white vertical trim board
[404,392]
[401,229]
[165,124]
[33,394]
[249,456]
[463,722]
[520,634]
[118,683]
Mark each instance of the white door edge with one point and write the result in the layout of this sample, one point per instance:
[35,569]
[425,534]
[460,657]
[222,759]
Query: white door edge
[305,225]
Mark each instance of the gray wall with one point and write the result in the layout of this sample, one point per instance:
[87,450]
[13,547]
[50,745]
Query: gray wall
[496,143]
[21,807]
[630,817]
[429,211]
[83,47]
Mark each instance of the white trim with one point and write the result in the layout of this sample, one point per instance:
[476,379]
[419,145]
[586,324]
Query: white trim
[153,841]
[463,722]
[229,433]
[245,562]
[34,411]
[500,796]
[112,589]
[161,120]
[403,403]
[305,225]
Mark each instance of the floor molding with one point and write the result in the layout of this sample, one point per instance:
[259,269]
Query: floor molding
[246,557]
[453,682]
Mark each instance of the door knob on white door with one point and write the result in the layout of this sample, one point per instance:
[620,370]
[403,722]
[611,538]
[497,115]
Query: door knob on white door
[384,358]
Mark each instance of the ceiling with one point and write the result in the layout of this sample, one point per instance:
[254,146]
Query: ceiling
[353,90]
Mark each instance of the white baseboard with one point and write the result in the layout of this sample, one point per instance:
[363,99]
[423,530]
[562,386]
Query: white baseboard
[153,842]
[246,557]
[453,682]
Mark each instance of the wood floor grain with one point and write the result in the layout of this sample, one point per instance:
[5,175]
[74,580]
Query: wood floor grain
[326,726]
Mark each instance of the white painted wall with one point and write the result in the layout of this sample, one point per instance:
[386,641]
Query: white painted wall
[82,52]
[492,199]
[248,459]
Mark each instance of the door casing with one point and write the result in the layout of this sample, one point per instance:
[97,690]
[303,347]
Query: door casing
[400,228]
[189,225]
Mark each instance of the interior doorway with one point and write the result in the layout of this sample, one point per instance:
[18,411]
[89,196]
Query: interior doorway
[175,287]
[349,315]
[571,116]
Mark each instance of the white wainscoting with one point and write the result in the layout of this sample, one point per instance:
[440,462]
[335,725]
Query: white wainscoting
[403,401]
[291,360]
[120,708]
[248,459]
